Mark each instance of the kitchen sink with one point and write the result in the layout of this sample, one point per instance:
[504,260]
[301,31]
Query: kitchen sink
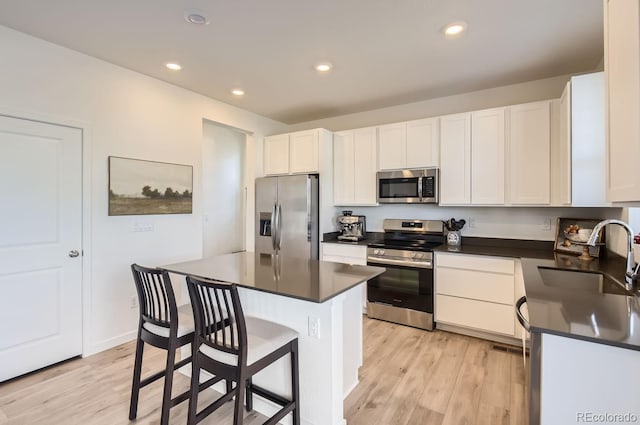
[592,282]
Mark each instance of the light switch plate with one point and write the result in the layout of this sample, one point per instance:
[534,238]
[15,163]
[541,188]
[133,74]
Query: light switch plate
[314,327]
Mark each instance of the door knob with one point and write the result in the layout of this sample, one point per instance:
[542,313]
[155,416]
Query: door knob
[73,253]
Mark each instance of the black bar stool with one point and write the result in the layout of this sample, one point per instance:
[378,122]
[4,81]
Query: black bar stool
[163,325]
[237,352]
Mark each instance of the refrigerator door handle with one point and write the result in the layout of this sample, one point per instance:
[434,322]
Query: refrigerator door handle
[279,229]
[308,210]
[274,226]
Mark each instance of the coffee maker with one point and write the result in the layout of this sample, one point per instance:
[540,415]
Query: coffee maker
[352,227]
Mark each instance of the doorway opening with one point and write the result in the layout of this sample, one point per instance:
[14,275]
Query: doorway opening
[224,189]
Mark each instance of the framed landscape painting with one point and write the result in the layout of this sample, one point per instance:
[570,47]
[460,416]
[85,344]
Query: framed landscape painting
[139,187]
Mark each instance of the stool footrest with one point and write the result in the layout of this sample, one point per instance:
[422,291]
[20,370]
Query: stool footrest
[158,375]
[275,398]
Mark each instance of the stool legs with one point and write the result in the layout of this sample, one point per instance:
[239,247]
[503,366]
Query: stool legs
[295,382]
[249,396]
[135,385]
[195,383]
[168,383]
[238,410]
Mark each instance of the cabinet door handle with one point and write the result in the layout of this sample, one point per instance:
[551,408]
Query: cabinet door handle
[521,319]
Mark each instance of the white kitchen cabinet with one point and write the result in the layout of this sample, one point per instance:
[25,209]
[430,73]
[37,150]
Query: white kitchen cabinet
[528,154]
[475,292]
[487,156]
[588,145]
[423,143]
[292,153]
[455,159]
[303,152]
[354,167]
[582,381]
[411,144]
[578,152]
[392,146]
[560,172]
[276,154]
[346,254]
[622,73]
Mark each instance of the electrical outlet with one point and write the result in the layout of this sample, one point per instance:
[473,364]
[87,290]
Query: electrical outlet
[314,327]
[142,226]
[546,225]
[471,223]
[133,302]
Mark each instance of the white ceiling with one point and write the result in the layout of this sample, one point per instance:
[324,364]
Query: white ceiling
[385,52]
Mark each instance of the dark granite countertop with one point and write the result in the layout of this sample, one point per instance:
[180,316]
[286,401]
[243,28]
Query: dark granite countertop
[590,305]
[372,237]
[515,248]
[309,280]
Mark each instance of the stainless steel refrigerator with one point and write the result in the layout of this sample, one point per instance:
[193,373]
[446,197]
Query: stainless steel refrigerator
[287,209]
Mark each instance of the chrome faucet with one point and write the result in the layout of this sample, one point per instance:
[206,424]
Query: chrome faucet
[630,276]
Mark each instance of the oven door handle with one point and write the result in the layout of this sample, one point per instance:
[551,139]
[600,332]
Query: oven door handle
[391,262]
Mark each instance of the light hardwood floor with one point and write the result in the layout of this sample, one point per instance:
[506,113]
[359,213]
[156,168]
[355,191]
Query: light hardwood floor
[409,376]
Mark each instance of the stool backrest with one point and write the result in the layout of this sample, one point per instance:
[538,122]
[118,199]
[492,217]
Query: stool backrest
[219,320]
[156,297]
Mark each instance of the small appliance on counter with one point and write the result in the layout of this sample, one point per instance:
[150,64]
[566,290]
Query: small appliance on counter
[353,228]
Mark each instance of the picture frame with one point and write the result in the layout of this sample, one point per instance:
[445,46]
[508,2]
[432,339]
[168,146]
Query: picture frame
[142,187]
[568,242]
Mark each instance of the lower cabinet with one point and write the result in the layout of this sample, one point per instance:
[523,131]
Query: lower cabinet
[575,381]
[476,292]
[346,254]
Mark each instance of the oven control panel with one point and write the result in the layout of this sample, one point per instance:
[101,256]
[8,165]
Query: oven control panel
[399,257]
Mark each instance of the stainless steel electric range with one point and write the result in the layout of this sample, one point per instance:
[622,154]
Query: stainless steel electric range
[404,292]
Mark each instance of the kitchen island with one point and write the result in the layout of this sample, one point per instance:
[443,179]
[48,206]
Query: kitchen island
[585,341]
[321,301]
[584,327]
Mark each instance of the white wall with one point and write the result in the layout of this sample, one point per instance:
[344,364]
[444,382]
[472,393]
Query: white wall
[549,88]
[130,115]
[224,189]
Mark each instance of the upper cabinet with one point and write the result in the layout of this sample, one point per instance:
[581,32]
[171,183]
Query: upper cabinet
[412,144]
[487,156]
[528,154]
[455,159]
[587,139]
[392,145]
[498,156]
[354,167]
[292,153]
[622,74]
[276,154]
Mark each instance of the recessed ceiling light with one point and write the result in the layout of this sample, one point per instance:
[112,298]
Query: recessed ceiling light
[324,67]
[173,66]
[237,92]
[454,29]
[196,17]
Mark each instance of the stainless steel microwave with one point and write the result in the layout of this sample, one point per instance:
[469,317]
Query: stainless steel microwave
[408,186]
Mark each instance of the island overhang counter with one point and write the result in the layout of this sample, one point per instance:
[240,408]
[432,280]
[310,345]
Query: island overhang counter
[320,300]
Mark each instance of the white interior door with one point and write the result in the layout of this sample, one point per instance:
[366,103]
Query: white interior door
[40,230]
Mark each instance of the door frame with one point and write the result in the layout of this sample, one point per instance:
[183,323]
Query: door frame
[86,146]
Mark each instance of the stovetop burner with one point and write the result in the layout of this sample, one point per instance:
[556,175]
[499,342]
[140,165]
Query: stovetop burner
[411,235]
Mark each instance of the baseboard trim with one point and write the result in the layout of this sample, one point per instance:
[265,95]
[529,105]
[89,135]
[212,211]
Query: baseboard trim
[479,334]
[110,343]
